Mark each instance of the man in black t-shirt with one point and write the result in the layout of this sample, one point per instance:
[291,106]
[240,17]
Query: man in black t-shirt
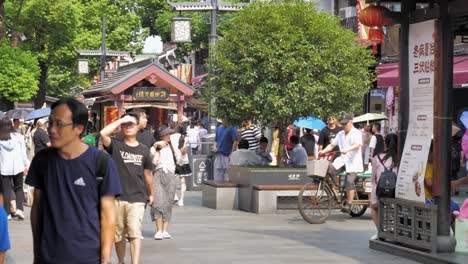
[143,136]
[41,138]
[134,164]
[329,133]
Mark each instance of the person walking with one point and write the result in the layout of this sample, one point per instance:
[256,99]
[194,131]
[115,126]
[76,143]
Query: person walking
[133,160]
[376,144]
[388,159]
[193,135]
[329,133]
[165,158]
[144,136]
[225,144]
[182,171]
[73,214]
[308,142]
[14,165]
[40,138]
[251,134]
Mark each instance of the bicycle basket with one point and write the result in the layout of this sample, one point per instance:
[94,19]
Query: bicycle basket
[317,168]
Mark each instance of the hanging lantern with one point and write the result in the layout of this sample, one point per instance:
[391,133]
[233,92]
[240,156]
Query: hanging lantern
[375,17]
[181,29]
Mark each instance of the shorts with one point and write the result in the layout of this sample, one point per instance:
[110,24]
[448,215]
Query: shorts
[349,180]
[129,219]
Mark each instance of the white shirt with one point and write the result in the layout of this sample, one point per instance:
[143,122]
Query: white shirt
[353,159]
[373,142]
[193,135]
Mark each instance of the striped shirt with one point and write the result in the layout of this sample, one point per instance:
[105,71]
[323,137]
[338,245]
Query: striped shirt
[252,135]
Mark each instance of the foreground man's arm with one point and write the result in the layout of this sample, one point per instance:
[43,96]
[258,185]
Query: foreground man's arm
[108,222]
[36,224]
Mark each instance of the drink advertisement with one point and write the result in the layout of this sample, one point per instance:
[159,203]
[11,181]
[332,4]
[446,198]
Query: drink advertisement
[410,183]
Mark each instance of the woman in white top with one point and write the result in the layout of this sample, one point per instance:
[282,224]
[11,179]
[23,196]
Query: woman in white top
[14,164]
[165,158]
[180,141]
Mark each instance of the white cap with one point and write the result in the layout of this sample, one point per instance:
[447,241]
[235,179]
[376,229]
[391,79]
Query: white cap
[42,121]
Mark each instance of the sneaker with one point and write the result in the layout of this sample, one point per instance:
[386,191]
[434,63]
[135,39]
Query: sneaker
[9,217]
[166,235]
[19,214]
[374,237]
[346,209]
[180,203]
[158,236]
[142,237]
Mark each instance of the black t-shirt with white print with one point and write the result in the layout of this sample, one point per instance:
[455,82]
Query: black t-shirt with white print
[131,163]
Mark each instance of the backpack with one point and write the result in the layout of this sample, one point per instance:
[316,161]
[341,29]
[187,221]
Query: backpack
[102,161]
[387,182]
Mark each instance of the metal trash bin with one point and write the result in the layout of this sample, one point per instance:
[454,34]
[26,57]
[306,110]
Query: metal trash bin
[202,164]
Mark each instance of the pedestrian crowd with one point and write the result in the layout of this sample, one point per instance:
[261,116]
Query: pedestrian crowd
[91,188]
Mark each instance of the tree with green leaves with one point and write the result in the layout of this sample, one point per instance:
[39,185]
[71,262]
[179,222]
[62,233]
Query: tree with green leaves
[282,60]
[19,73]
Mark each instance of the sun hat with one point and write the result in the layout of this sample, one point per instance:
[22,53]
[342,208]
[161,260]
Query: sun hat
[346,118]
[165,130]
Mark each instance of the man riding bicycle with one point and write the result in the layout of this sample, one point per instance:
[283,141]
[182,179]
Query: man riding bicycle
[349,141]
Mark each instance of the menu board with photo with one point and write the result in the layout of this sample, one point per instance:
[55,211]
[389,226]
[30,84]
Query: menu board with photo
[410,183]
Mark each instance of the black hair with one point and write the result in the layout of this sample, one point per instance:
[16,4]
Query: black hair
[294,140]
[391,151]
[377,126]
[138,111]
[181,129]
[307,130]
[78,110]
[243,144]
[264,140]
[6,127]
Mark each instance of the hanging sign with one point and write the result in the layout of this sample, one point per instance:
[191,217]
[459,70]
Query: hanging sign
[410,183]
[150,94]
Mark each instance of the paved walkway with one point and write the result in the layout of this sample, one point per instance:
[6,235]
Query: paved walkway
[202,235]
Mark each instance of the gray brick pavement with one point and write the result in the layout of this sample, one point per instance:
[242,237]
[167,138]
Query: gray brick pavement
[202,235]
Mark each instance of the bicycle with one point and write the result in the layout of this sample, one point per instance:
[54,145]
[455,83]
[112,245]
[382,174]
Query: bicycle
[317,198]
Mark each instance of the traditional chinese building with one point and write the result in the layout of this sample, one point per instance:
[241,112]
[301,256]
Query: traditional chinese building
[145,84]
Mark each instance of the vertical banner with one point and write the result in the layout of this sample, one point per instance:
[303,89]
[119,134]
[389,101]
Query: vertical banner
[410,183]
[111,114]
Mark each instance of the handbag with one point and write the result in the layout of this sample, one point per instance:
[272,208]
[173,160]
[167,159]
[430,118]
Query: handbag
[180,169]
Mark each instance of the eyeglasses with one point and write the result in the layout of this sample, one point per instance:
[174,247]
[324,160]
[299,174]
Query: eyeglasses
[58,123]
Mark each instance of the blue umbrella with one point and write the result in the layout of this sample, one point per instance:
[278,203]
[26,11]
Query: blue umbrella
[310,122]
[38,113]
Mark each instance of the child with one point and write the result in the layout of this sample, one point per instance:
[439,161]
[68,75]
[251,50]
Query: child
[263,155]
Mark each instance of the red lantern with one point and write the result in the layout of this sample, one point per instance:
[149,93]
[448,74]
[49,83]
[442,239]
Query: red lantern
[375,17]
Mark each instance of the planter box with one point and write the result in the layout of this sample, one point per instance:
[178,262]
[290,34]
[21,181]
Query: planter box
[247,177]
[220,195]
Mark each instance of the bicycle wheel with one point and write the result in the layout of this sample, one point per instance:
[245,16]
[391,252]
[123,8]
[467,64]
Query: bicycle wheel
[357,210]
[315,202]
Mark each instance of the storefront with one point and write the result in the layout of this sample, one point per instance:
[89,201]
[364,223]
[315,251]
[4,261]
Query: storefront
[388,84]
[144,84]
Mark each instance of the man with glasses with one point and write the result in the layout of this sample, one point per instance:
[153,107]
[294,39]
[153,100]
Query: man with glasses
[73,215]
[135,167]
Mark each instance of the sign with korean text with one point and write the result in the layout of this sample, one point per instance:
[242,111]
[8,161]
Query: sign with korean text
[150,94]
[422,49]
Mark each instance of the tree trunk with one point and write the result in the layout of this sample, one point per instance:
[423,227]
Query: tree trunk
[39,99]
[281,152]
[6,104]
[2,23]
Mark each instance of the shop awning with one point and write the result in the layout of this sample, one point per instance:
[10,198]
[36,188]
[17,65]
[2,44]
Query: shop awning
[390,77]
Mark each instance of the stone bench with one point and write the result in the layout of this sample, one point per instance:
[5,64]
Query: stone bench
[265,197]
[220,195]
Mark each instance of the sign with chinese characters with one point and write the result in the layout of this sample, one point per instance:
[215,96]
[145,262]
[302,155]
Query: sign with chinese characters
[410,183]
[150,94]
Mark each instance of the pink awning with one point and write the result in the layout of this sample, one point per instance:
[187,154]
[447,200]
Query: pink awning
[388,74]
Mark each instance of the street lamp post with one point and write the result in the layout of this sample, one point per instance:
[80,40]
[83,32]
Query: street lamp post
[213,6]
[103,53]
